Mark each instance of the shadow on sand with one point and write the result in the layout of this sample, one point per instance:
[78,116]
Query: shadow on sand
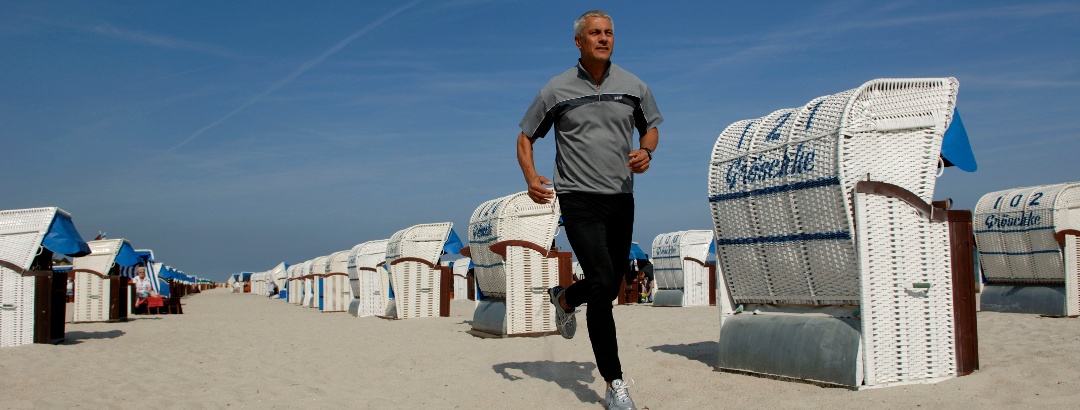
[76,337]
[573,376]
[705,352]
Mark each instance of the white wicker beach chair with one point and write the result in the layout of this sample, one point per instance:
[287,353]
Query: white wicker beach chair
[413,256]
[827,243]
[98,296]
[1027,240]
[314,285]
[509,242]
[279,275]
[679,269]
[336,291]
[461,278]
[30,310]
[295,293]
[370,283]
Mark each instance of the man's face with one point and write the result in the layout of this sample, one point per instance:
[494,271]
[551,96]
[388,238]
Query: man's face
[142,274]
[597,40]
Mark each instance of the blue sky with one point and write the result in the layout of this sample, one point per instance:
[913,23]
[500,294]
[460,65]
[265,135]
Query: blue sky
[230,136]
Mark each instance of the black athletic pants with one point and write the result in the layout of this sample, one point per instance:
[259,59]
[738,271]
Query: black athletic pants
[599,228]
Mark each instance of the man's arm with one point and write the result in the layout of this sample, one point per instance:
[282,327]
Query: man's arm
[537,192]
[639,159]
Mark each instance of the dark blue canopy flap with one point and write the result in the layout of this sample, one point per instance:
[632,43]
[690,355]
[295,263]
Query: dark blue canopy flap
[955,147]
[453,243]
[636,252]
[127,256]
[63,238]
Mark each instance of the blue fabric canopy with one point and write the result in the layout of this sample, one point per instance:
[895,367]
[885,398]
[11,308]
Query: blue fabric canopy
[453,243]
[63,238]
[955,147]
[636,252]
[127,255]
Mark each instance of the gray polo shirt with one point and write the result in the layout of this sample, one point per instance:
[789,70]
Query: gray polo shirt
[594,127]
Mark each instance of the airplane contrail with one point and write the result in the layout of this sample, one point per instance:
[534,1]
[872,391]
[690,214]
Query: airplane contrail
[296,73]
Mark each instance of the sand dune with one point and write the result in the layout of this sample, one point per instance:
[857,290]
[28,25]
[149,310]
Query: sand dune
[247,351]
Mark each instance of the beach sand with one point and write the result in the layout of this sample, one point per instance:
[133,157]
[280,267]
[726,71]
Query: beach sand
[247,351]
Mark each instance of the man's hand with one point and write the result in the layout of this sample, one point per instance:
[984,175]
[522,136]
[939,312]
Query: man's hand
[639,161]
[537,191]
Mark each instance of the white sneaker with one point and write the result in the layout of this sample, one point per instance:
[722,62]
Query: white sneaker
[617,396]
[565,322]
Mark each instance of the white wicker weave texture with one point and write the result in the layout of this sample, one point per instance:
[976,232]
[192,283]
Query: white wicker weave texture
[21,232]
[779,186]
[512,217]
[416,284]
[671,270]
[521,279]
[1015,228]
[906,287]
[92,292]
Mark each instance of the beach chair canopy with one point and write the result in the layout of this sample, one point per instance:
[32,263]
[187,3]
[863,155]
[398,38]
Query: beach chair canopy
[22,231]
[425,241]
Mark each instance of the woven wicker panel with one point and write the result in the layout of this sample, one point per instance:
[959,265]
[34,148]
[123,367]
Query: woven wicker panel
[368,285]
[461,281]
[16,308]
[416,290]
[512,217]
[1072,275]
[778,185]
[696,276]
[419,241]
[92,292]
[893,130]
[529,274]
[487,265]
[293,284]
[906,280]
[416,285]
[1014,230]
[21,232]
[279,275]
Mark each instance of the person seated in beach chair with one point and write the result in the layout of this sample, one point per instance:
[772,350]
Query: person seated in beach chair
[144,289]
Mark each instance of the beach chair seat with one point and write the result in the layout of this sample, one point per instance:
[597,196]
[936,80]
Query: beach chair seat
[412,255]
[32,294]
[1027,249]
[370,283]
[510,243]
[679,268]
[835,268]
[336,293]
[100,296]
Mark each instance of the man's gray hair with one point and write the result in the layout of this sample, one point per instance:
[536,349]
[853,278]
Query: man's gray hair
[579,24]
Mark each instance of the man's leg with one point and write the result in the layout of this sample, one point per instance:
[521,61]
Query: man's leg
[586,219]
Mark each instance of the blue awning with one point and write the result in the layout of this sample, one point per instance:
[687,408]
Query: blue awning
[453,243]
[126,256]
[955,147]
[64,238]
[636,252]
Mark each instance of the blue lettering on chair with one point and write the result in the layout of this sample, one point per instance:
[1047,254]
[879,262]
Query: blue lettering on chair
[813,111]
[1026,218]
[760,169]
[774,134]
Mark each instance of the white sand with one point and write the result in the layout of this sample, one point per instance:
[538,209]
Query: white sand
[231,350]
